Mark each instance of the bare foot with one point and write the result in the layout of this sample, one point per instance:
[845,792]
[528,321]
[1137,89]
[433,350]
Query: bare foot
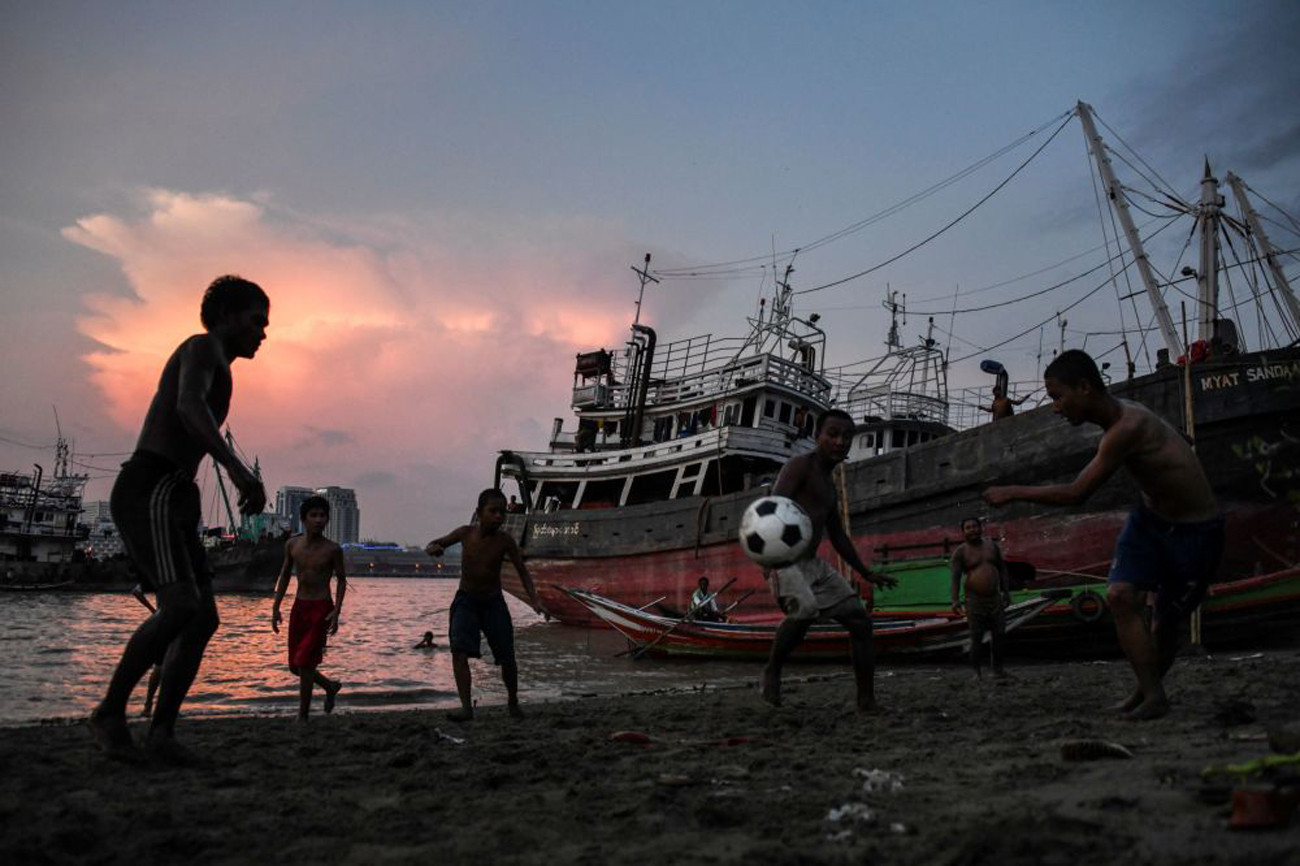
[113,738]
[1150,709]
[331,692]
[514,710]
[1129,704]
[163,749]
[461,715]
[771,687]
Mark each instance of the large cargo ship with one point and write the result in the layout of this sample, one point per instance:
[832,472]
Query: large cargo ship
[673,441]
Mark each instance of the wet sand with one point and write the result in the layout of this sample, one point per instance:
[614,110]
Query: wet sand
[982,778]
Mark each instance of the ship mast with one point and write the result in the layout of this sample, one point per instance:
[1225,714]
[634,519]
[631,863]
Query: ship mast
[1266,247]
[1207,218]
[1116,195]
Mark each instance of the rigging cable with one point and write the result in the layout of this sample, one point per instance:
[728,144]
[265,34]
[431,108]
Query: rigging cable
[736,265]
[954,222]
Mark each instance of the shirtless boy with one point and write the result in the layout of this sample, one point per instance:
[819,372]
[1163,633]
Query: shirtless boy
[1003,406]
[480,605]
[810,589]
[987,593]
[313,616]
[156,508]
[1173,540]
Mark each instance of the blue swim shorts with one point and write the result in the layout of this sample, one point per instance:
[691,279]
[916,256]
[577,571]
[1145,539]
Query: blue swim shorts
[1176,561]
[473,614]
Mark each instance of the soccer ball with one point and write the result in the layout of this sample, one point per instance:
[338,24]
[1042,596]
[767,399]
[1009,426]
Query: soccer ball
[775,531]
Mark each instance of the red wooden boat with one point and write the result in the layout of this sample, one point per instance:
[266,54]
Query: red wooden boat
[672,636]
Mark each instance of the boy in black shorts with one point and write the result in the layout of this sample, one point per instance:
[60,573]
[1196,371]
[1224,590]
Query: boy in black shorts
[1173,540]
[480,605]
[155,505]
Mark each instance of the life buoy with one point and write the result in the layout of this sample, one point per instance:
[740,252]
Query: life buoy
[1088,606]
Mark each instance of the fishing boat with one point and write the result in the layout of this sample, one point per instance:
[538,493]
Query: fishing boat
[655,634]
[673,441]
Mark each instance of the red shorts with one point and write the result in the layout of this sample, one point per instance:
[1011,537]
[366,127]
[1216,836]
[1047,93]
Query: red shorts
[308,629]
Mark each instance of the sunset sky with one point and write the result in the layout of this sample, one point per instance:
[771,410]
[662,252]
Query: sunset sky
[442,199]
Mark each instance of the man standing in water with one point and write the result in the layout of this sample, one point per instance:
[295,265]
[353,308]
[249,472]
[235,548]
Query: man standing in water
[810,589]
[1173,540]
[155,505]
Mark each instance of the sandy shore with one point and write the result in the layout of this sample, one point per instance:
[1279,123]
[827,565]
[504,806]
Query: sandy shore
[982,778]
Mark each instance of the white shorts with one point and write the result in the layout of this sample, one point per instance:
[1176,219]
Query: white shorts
[810,589]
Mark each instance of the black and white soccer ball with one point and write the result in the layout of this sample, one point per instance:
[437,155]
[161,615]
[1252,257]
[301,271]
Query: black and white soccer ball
[775,531]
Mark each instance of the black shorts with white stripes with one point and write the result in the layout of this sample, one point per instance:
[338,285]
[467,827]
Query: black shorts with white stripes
[156,508]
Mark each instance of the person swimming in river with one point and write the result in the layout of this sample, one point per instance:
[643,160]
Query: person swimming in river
[1173,539]
[314,616]
[426,642]
[479,607]
[988,593]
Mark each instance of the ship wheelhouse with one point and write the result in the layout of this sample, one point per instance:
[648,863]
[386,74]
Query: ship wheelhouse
[702,416]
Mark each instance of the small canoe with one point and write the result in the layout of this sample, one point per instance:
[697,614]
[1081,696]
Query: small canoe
[670,636]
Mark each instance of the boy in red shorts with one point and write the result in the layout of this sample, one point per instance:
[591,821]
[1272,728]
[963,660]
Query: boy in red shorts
[314,616]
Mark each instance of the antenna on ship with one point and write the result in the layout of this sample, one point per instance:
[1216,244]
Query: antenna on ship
[643,274]
[60,448]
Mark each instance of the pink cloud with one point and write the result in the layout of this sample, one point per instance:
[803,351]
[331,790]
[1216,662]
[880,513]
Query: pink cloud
[424,364]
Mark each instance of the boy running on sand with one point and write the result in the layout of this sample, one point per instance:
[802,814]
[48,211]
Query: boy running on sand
[480,605]
[313,616]
[156,508]
[987,593]
[1173,540]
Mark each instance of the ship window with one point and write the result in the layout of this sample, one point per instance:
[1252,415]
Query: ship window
[784,415]
[652,487]
[602,494]
[899,439]
[769,408]
[869,440]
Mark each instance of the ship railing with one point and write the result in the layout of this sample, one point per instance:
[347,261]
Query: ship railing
[969,405]
[883,402]
[710,443]
[713,384]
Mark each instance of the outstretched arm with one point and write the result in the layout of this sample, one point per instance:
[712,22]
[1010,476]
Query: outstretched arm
[844,547]
[439,546]
[957,567]
[1004,577]
[282,586]
[1111,453]
[199,363]
[517,559]
[341,589]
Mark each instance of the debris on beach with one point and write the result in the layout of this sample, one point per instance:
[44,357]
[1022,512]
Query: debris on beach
[443,737]
[879,781]
[858,813]
[1093,750]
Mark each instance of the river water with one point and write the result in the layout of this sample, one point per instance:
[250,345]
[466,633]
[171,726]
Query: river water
[57,650]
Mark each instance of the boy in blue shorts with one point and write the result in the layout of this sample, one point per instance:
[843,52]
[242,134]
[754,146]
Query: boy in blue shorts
[480,605]
[1173,540]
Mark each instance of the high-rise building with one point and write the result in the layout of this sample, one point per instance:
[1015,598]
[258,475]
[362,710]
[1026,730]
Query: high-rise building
[287,502]
[345,516]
